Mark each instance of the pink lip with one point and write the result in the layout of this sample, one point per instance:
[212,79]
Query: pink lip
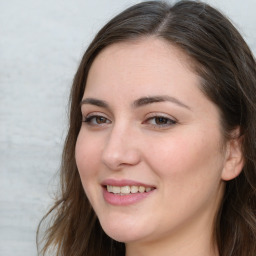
[124,200]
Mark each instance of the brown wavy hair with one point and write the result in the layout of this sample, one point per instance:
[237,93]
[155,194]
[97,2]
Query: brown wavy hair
[227,70]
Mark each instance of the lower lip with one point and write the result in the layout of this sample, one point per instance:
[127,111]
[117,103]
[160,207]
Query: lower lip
[122,200]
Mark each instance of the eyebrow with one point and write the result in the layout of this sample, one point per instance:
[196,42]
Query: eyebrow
[137,103]
[154,99]
[96,102]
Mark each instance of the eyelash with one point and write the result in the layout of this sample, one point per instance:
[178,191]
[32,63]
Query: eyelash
[91,120]
[167,122]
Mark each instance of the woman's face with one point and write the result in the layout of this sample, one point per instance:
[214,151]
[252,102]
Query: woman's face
[150,153]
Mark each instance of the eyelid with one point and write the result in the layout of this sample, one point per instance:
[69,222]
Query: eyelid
[87,114]
[151,116]
[160,114]
[88,118]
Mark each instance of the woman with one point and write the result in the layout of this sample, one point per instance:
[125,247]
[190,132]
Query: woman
[160,154]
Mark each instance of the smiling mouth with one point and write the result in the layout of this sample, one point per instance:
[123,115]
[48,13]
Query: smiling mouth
[127,190]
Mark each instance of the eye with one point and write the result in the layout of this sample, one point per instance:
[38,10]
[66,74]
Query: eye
[160,121]
[95,120]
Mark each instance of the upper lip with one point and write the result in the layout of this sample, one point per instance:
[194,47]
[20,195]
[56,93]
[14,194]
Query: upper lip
[124,182]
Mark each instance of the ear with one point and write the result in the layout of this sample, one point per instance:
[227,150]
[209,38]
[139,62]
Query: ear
[234,157]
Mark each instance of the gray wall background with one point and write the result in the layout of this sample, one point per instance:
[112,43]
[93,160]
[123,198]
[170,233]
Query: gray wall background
[41,43]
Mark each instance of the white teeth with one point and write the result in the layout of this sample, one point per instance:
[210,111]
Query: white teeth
[116,190]
[109,188]
[134,189]
[127,189]
[148,189]
[142,189]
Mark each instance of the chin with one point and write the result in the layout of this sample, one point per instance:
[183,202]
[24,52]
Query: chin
[123,233]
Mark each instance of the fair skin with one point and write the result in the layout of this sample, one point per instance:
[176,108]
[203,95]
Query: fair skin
[147,123]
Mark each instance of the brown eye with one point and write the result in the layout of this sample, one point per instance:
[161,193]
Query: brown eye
[95,120]
[161,120]
[100,120]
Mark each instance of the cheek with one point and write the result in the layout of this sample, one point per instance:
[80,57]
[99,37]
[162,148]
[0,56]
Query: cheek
[189,170]
[87,151]
[87,154]
[190,158]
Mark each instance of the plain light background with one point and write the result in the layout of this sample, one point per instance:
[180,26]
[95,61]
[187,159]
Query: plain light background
[41,44]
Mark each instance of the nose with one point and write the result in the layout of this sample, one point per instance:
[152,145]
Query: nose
[121,149]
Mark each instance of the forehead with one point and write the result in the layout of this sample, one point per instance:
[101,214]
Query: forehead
[146,62]
[146,49]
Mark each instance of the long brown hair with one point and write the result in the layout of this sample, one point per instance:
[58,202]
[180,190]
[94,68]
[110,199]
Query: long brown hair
[228,78]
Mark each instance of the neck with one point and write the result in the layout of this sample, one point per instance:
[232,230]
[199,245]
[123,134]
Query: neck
[193,246]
